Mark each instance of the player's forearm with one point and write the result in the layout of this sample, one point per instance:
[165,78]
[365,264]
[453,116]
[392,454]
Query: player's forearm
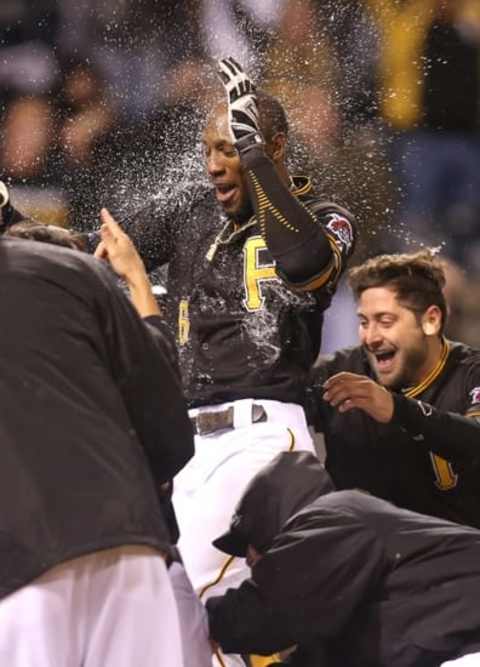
[450,435]
[291,231]
[141,294]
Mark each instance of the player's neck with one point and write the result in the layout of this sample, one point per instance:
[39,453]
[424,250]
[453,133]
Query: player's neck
[435,351]
[283,173]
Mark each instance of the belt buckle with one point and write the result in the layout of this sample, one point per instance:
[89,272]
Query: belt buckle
[210,422]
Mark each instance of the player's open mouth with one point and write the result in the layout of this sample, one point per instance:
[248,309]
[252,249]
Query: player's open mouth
[225,192]
[384,360]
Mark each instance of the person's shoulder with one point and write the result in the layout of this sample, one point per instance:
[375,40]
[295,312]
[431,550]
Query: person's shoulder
[353,502]
[460,353]
[45,260]
[320,205]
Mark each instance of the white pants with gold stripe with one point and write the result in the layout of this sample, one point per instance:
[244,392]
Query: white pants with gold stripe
[111,608]
[208,489]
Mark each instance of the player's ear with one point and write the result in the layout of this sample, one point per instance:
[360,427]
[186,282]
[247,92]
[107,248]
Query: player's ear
[277,147]
[432,321]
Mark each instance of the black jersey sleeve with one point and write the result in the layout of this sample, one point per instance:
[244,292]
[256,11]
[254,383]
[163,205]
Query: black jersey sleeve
[309,243]
[152,230]
[453,436]
[242,621]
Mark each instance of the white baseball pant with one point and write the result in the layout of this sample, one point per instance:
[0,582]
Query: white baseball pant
[193,619]
[111,608]
[209,487]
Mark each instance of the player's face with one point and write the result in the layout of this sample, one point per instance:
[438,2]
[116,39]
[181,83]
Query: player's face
[224,167]
[393,338]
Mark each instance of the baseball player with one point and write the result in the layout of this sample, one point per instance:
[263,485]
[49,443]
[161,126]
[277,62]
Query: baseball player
[252,264]
[401,412]
[350,580]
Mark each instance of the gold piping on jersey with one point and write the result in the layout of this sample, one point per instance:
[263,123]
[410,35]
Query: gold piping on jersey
[220,576]
[333,267]
[302,189]
[265,205]
[445,477]
[474,413]
[413,392]
[292,440]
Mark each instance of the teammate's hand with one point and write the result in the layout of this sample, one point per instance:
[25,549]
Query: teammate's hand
[242,105]
[117,248]
[346,391]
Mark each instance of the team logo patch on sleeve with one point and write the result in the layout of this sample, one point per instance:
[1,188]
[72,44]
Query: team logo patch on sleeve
[475,395]
[341,228]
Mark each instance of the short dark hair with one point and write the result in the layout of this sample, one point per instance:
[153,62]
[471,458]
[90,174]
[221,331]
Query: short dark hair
[37,231]
[417,279]
[273,118]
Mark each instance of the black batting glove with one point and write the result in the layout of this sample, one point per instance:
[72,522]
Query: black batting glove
[242,106]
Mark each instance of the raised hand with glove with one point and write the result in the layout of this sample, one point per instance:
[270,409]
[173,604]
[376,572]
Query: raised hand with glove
[242,106]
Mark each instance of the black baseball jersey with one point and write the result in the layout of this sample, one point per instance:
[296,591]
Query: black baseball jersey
[243,330]
[427,458]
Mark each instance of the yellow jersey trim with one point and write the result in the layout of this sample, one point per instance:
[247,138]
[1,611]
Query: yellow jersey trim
[302,189]
[413,392]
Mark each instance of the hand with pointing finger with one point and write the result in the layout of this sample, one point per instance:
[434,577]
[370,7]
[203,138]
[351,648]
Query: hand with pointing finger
[117,248]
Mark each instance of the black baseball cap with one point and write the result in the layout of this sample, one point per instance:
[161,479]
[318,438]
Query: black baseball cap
[289,482]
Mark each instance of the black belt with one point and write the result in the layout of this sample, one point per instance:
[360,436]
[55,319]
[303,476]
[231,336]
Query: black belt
[209,422]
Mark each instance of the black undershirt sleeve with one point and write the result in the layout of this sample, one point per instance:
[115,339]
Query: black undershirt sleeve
[291,231]
[450,435]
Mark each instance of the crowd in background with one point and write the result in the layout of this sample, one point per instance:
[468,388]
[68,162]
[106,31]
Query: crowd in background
[101,101]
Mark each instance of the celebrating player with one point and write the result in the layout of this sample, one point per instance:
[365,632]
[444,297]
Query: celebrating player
[400,413]
[253,263]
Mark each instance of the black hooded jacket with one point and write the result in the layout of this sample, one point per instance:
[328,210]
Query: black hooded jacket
[92,413]
[351,575]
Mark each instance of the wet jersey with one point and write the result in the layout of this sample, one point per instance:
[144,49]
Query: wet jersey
[243,330]
[427,458]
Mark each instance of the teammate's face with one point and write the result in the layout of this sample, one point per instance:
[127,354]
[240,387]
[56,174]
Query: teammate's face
[224,167]
[394,339]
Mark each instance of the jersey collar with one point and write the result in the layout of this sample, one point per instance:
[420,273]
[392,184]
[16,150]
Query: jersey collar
[302,185]
[429,379]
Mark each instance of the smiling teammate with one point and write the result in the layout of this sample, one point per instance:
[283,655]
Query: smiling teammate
[401,412]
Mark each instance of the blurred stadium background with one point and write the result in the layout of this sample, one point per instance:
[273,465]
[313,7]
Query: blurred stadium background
[102,100]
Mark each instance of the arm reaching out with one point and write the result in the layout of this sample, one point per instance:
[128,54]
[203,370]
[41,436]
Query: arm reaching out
[346,391]
[117,248]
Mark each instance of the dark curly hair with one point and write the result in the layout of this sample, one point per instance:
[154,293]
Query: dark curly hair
[417,279]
